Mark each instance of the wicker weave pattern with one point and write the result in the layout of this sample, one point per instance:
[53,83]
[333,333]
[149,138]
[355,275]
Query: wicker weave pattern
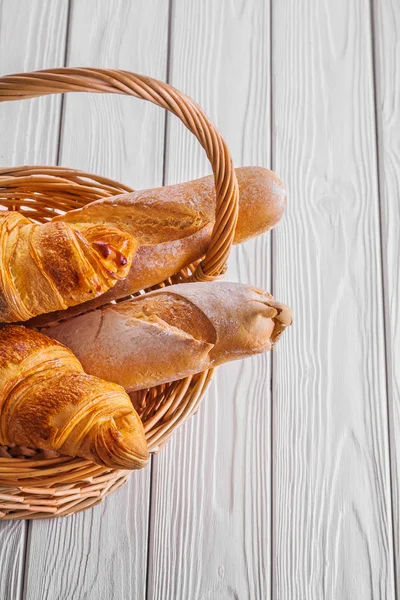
[31,488]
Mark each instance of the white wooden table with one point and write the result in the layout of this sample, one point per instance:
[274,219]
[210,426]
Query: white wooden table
[286,483]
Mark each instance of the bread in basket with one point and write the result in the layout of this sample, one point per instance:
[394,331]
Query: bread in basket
[37,484]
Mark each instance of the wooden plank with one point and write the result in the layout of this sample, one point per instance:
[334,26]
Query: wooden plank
[118,136]
[30,129]
[332,505]
[103,553]
[387,73]
[12,554]
[99,553]
[32,36]
[210,535]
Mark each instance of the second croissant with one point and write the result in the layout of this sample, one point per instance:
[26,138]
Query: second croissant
[48,402]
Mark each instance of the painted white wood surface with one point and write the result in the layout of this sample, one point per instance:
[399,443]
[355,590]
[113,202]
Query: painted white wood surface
[332,505]
[222,524]
[387,73]
[104,552]
[99,554]
[29,135]
[117,136]
[211,521]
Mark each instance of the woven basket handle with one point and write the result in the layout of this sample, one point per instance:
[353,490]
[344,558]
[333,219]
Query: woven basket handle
[58,81]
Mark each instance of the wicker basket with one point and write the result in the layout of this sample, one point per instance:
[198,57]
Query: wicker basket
[36,484]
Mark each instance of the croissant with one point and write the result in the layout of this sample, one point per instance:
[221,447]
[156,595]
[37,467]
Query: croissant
[48,402]
[173,332]
[173,225]
[55,265]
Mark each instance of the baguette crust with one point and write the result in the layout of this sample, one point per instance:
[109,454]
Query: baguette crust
[48,402]
[173,225]
[174,212]
[173,332]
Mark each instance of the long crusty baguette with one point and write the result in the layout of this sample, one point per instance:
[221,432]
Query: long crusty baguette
[173,212]
[55,265]
[48,402]
[173,225]
[173,332]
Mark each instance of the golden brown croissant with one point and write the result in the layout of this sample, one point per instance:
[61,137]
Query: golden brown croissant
[173,332]
[48,402]
[54,265]
[173,225]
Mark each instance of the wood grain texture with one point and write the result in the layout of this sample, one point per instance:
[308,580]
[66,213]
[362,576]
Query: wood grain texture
[212,504]
[30,129]
[387,82]
[210,521]
[12,555]
[29,135]
[332,511]
[104,552]
[96,554]
[118,136]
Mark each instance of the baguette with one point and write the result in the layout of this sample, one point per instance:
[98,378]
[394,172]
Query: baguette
[55,265]
[173,332]
[174,212]
[48,402]
[173,226]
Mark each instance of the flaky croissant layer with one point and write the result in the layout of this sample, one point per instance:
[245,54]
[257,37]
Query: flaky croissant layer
[54,265]
[48,402]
